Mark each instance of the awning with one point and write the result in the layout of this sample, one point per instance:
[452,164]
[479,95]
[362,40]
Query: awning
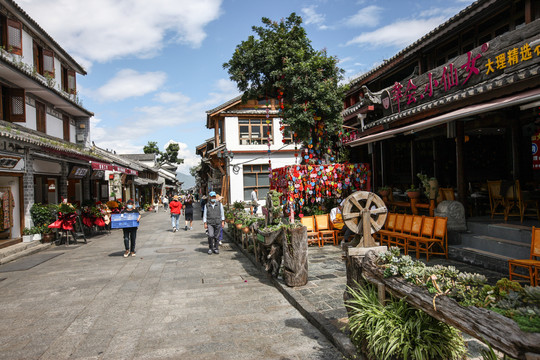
[104,166]
[518,99]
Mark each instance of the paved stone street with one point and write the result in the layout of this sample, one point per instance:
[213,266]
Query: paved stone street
[171,301]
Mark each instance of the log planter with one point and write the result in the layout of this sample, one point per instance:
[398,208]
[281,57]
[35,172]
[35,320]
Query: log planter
[501,332]
[295,257]
[268,250]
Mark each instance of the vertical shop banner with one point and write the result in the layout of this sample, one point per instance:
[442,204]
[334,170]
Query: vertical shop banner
[536,150]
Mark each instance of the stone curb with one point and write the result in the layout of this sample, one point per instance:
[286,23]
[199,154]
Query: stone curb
[24,252]
[336,337]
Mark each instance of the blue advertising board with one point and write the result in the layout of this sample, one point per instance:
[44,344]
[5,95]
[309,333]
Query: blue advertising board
[126,220]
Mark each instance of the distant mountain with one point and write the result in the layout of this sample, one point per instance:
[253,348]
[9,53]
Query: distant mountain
[188,180]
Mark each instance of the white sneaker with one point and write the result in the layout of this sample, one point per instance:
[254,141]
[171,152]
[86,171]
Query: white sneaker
[190,228]
[173,229]
[220,243]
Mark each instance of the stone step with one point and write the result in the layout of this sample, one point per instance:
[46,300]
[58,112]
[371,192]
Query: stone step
[514,232]
[481,258]
[496,245]
[21,249]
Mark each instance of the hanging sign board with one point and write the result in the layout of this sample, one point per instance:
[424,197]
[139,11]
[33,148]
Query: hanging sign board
[11,163]
[536,151]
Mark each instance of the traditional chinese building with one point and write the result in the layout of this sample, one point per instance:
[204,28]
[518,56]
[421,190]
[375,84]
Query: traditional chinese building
[461,104]
[249,139]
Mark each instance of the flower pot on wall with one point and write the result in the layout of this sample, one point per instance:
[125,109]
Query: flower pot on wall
[36,237]
[413,194]
[28,238]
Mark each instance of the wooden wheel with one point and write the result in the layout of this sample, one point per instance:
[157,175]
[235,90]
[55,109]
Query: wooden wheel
[364,213]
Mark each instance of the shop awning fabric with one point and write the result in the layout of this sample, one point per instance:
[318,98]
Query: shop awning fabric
[111,167]
[514,100]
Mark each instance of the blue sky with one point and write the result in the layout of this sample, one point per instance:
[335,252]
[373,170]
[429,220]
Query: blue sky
[155,67]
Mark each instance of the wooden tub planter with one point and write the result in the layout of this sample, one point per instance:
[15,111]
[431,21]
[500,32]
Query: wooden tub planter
[487,326]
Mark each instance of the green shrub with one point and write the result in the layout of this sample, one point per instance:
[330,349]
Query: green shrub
[397,330]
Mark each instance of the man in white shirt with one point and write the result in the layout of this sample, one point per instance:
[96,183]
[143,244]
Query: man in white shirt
[254,201]
[336,218]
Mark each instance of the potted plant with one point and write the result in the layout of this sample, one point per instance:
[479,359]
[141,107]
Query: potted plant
[384,191]
[431,185]
[413,192]
[36,233]
[27,235]
[46,234]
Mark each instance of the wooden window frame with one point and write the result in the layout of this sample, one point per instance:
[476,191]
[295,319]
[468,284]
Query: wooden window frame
[48,54]
[263,137]
[12,94]
[41,124]
[66,126]
[288,139]
[12,25]
[259,170]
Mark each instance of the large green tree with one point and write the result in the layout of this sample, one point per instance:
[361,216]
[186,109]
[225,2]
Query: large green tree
[281,63]
[171,154]
[151,148]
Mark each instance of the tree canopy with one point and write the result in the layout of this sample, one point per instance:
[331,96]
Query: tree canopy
[281,63]
[170,154]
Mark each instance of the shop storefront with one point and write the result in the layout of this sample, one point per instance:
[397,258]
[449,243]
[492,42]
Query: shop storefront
[12,168]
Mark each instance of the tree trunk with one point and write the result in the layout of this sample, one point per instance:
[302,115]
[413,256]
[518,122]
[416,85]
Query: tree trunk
[295,264]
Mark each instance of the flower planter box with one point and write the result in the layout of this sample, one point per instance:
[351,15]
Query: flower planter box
[27,238]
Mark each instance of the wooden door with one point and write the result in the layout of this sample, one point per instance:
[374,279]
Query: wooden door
[40,117]
[65,119]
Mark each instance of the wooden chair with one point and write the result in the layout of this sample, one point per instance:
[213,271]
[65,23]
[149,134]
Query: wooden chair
[383,234]
[514,200]
[416,242]
[496,200]
[399,238]
[323,227]
[531,265]
[312,234]
[447,194]
[416,230]
[398,227]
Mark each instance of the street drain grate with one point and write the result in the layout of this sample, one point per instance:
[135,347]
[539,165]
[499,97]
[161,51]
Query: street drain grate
[225,247]
[169,250]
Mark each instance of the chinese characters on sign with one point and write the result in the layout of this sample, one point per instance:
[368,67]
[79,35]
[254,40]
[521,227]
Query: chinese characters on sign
[535,140]
[457,76]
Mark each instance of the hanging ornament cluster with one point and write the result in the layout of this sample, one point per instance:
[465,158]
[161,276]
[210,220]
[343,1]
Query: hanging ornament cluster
[301,184]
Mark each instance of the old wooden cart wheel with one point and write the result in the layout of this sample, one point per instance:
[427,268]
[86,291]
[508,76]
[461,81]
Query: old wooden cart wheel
[364,210]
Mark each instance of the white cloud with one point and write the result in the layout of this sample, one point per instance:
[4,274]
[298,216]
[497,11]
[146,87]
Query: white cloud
[310,16]
[135,132]
[130,83]
[366,17]
[400,33]
[102,30]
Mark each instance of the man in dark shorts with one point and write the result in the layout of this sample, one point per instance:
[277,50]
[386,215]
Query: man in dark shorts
[188,211]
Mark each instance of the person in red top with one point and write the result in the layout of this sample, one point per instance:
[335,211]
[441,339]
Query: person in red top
[175,207]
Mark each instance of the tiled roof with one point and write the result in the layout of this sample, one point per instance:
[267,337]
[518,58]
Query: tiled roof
[224,105]
[29,136]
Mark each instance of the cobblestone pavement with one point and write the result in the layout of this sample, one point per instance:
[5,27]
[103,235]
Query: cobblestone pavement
[171,301]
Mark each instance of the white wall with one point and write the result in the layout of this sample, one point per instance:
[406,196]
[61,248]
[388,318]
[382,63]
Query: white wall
[31,121]
[28,49]
[72,133]
[54,126]
[232,137]
[237,180]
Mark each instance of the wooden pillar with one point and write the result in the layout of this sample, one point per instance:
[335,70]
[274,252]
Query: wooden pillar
[460,163]
[413,163]
[516,135]
[374,166]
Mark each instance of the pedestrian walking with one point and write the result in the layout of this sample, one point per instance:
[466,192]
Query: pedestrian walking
[175,208]
[165,201]
[156,204]
[130,233]
[336,217]
[203,204]
[188,212]
[214,221]
[254,201]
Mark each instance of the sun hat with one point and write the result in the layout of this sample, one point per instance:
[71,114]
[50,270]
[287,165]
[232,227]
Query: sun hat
[212,193]
[175,197]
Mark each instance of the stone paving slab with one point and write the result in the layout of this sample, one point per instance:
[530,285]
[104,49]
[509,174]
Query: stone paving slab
[92,303]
